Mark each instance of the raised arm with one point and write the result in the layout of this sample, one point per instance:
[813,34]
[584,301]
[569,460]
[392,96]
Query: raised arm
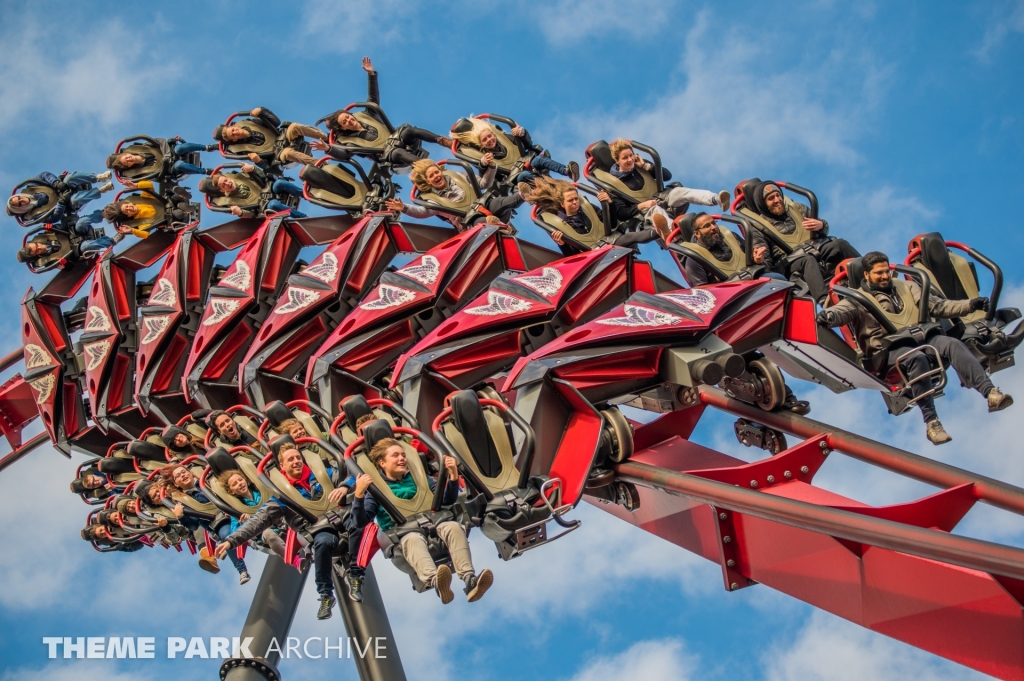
[372,89]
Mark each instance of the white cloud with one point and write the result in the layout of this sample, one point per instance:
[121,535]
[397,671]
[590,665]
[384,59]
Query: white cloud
[348,26]
[831,649]
[569,22]
[56,71]
[881,218]
[664,659]
[88,670]
[1000,23]
[743,108]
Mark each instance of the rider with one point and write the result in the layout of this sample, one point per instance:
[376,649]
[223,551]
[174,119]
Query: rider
[90,248]
[403,142]
[784,217]
[126,209]
[627,169]
[74,191]
[563,199]
[295,470]
[708,235]
[894,297]
[474,132]
[126,160]
[236,134]
[222,185]
[389,457]
[428,177]
[225,426]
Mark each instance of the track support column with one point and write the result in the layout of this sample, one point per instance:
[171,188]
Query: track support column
[367,625]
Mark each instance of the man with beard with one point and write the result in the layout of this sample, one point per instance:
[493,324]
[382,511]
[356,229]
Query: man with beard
[725,249]
[791,221]
[899,300]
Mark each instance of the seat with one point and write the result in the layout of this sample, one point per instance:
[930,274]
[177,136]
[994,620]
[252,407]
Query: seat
[223,204]
[739,266]
[278,412]
[39,213]
[242,150]
[461,208]
[549,221]
[316,466]
[511,163]
[50,261]
[598,170]
[360,145]
[196,467]
[146,199]
[119,465]
[352,409]
[751,206]
[219,460]
[953,274]
[516,513]
[327,199]
[243,422]
[375,431]
[143,145]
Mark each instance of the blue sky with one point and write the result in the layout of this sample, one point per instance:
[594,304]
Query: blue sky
[903,118]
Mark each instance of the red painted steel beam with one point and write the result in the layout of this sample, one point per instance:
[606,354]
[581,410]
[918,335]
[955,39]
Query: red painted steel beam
[23,450]
[988,490]
[965,552]
[13,358]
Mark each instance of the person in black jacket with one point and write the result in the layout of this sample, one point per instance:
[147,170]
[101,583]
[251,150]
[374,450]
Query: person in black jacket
[236,134]
[403,143]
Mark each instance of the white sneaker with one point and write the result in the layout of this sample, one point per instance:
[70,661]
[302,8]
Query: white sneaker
[103,188]
[723,199]
[103,177]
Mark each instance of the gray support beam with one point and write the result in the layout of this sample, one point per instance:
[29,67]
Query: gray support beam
[369,620]
[270,616]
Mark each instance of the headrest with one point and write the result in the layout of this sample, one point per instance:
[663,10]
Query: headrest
[469,419]
[170,432]
[78,488]
[375,431]
[104,517]
[277,413]
[107,465]
[141,490]
[140,449]
[355,408]
[220,461]
[935,258]
[278,442]
[462,125]
[602,155]
[855,273]
[87,533]
[749,188]
[200,415]
[686,225]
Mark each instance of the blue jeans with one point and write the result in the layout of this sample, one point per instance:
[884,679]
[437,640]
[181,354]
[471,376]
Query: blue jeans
[79,199]
[183,148]
[182,168]
[542,163]
[77,180]
[324,544]
[83,227]
[92,247]
[275,206]
[223,532]
[285,187]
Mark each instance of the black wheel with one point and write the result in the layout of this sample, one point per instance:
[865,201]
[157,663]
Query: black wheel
[621,435]
[600,477]
[773,385]
[627,496]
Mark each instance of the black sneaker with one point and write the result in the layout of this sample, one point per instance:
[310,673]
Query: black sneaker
[477,585]
[212,147]
[574,170]
[326,604]
[355,588]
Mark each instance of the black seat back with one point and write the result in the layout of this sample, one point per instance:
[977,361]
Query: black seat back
[277,413]
[375,431]
[469,419]
[935,257]
[855,270]
[355,408]
[221,461]
[602,155]
[147,451]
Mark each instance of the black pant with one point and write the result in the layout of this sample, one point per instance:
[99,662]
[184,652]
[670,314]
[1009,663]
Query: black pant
[953,353]
[834,252]
[641,236]
[355,535]
[321,179]
[408,135]
[502,206]
[324,544]
[806,268]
